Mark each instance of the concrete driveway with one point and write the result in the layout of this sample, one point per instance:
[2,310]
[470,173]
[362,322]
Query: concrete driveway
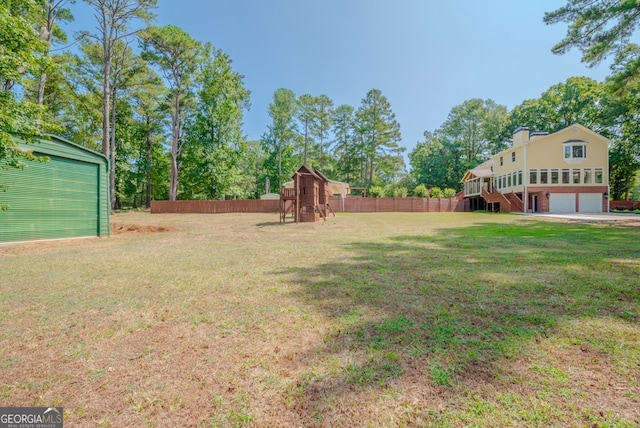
[595,217]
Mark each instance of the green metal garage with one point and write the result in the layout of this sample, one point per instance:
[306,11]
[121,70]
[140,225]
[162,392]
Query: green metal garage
[65,197]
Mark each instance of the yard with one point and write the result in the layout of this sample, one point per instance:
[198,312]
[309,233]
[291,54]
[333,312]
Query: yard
[381,320]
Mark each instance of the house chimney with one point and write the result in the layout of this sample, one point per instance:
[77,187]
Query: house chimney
[537,134]
[520,136]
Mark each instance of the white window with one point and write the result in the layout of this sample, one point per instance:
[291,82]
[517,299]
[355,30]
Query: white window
[575,150]
[554,176]
[533,176]
[565,176]
[599,176]
[513,156]
[544,176]
[576,176]
[587,176]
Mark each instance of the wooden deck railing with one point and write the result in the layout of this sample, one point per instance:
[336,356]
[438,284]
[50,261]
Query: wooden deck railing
[286,193]
[497,197]
[516,203]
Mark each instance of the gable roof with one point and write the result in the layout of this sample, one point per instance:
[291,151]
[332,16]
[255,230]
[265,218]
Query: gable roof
[582,128]
[485,169]
[321,175]
[305,170]
[568,130]
[52,145]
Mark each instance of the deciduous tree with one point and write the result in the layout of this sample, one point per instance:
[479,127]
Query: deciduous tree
[435,162]
[51,13]
[479,128]
[578,100]
[21,58]
[214,143]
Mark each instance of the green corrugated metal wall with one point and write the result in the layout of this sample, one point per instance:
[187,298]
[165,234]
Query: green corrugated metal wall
[65,197]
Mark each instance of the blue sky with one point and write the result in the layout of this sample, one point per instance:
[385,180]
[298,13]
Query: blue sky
[426,56]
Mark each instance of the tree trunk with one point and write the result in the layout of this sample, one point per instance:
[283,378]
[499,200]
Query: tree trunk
[149,160]
[47,35]
[175,148]
[279,168]
[41,84]
[106,110]
[321,151]
[112,143]
[306,141]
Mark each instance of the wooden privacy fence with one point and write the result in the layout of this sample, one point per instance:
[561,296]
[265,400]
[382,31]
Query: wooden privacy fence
[353,204]
[215,207]
[358,204]
[624,205]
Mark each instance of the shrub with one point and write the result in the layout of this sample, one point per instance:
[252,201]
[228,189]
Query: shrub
[394,190]
[436,192]
[390,189]
[376,191]
[421,191]
[449,192]
[400,192]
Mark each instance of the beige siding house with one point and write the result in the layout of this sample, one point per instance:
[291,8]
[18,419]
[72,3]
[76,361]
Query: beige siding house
[563,172]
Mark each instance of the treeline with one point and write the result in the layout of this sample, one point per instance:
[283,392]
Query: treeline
[167,110]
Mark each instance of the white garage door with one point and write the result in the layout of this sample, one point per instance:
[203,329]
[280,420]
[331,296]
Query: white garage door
[562,203]
[590,202]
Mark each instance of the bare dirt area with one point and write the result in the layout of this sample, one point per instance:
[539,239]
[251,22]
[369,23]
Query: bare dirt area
[385,320]
[119,228]
[631,221]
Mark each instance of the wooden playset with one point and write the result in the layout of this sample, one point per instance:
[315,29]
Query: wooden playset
[308,200]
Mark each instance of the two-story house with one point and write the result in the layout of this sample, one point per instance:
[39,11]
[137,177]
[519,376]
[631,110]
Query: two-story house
[563,172]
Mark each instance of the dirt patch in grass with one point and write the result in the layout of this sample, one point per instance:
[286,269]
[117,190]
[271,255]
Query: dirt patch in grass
[632,222]
[119,228]
[628,221]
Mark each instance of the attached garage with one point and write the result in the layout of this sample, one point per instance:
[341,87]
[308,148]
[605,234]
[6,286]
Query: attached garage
[562,202]
[64,197]
[590,202]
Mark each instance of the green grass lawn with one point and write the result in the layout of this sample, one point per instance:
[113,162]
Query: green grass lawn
[381,320]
